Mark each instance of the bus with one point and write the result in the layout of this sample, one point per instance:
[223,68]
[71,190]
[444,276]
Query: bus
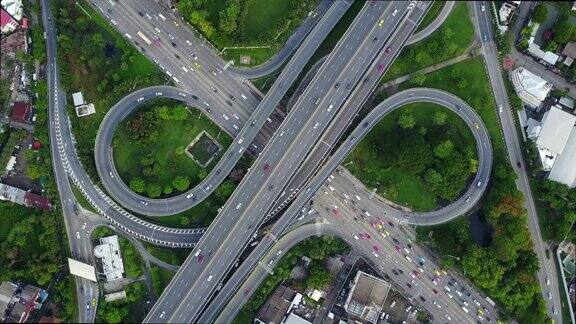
[144,38]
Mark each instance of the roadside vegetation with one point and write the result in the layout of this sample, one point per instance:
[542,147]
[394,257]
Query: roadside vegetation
[450,40]
[506,268]
[315,248]
[434,11]
[160,278]
[98,61]
[150,148]
[240,23]
[418,156]
[33,243]
[132,308]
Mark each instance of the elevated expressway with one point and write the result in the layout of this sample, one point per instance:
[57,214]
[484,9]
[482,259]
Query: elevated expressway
[396,101]
[354,55]
[169,206]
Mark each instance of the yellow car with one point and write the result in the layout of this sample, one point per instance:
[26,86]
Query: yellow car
[381,23]
[476,125]
[196,64]
[386,231]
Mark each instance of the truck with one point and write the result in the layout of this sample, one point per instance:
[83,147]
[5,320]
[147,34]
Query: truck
[144,38]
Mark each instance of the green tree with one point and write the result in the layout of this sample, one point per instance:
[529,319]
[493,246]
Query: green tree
[153,190]
[168,189]
[179,113]
[181,183]
[406,121]
[418,78]
[318,277]
[540,13]
[179,150]
[34,171]
[563,31]
[439,118]
[138,185]
[444,149]
[225,190]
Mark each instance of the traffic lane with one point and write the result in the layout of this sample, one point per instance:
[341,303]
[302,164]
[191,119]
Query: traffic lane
[383,234]
[381,251]
[247,221]
[514,151]
[150,207]
[345,117]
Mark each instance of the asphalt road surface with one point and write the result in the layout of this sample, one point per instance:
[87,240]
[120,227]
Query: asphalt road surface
[359,195]
[79,237]
[547,275]
[194,283]
[169,206]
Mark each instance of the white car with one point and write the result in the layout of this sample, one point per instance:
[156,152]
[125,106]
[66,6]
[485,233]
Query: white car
[241,149]
[78,235]
[198,252]
[236,116]
[355,236]
[163,312]
[243,96]
[235,126]
[210,278]
[279,252]
[224,116]
[330,108]
[316,125]
[240,140]
[189,196]
[238,206]
[374,254]
[482,8]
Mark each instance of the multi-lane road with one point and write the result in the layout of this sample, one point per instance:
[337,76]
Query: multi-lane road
[547,273]
[248,130]
[241,216]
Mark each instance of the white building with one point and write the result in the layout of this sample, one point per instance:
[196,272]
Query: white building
[78,99]
[555,137]
[13,7]
[530,88]
[109,251]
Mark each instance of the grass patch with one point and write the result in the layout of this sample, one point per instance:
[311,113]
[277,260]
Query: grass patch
[563,297]
[396,182]
[450,40]
[477,94]
[265,83]
[261,14]
[171,256]
[168,162]
[160,278]
[432,13]
[82,200]
[257,55]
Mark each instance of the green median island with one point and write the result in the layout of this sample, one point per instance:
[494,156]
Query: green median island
[165,148]
[421,156]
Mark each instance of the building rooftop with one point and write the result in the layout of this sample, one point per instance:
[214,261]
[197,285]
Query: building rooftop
[277,306]
[13,7]
[530,88]
[295,319]
[564,169]
[78,99]
[556,128]
[37,201]
[367,296]
[21,111]
[7,290]
[570,50]
[109,251]
[12,194]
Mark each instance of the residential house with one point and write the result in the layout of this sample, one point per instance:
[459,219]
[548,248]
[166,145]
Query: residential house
[530,88]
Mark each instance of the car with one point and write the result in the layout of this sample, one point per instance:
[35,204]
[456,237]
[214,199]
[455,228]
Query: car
[485,38]
[355,236]
[435,291]
[554,310]
[376,248]
[225,117]
[476,126]
[238,205]
[446,287]
[316,125]
[422,298]
[549,295]
[330,108]
[162,314]
[83,225]
[208,187]
[207,105]
[408,285]
[479,183]
[447,317]
[482,8]
[232,97]
[391,224]
[476,302]
[518,165]
[408,308]
[336,85]
[241,149]
[468,199]
[143,203]
[266,167]
[200,259]
[214,89]
[547,281]
[78,235]
[139,99]
[93,301]
[270,262]
[459,292]
[374,254]
[395,272]
[388,49]
[209,278]
[395,12]
[243,96]
[229,103]
[436,304]
[381,23]
[213,72]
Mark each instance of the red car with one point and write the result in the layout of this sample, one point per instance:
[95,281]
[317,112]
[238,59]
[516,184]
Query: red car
[246,292]
[380,67]
[335,211]
[398,248]
[365,236]
[376,248]
[266,167]
[200,258]
[416,273]
[157,43]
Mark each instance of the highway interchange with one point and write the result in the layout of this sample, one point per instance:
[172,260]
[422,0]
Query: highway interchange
[161,235]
